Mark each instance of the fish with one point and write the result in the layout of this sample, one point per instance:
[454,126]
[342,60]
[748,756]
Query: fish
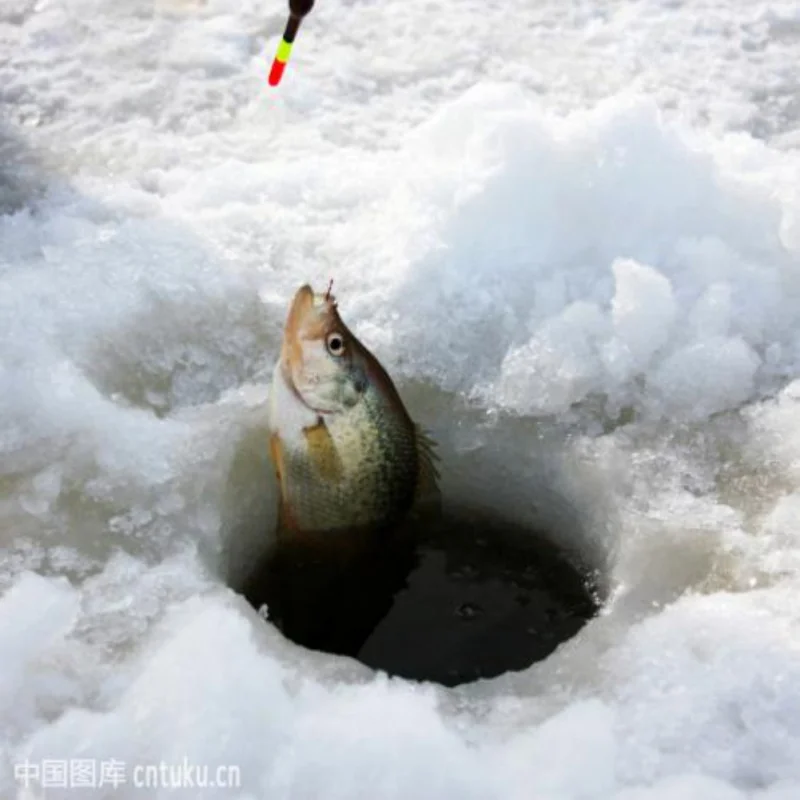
[347,455]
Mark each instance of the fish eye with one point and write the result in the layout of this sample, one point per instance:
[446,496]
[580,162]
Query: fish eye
[335,344]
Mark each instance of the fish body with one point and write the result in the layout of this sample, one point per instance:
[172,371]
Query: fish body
[346,452]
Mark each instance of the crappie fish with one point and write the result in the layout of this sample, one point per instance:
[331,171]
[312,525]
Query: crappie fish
[346,452]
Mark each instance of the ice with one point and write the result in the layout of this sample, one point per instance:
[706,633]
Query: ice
[36,614]
[699,704]
[643,312]
[559,366]
[710,376]
[580,221]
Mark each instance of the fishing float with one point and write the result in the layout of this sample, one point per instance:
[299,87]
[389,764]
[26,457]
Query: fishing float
[297,10]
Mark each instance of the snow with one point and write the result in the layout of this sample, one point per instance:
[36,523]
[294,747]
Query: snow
[570,230]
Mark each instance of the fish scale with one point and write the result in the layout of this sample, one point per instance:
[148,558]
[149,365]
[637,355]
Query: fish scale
[377,473]
[347,454]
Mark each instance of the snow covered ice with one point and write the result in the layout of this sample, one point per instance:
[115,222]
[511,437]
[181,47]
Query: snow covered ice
[583,216]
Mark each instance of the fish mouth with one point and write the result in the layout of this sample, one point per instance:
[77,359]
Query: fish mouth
[309,317]
[306,305]
[302,303]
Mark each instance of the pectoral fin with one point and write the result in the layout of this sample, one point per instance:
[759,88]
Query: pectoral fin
[322,452]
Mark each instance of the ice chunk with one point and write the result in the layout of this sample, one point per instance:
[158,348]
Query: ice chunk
[559,366]
[701,379]
[643,311]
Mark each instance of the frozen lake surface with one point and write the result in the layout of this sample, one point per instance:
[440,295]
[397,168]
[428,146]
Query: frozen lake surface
[570,231]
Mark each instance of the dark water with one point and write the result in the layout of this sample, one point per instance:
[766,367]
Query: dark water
[468,596]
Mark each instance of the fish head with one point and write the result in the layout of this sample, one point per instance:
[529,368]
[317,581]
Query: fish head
[321,360]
